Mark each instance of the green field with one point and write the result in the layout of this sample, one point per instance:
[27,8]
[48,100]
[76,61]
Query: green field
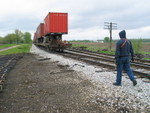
[94,48]
[104,48]
[22,48]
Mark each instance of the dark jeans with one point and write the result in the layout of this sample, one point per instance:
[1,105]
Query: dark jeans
[123,63]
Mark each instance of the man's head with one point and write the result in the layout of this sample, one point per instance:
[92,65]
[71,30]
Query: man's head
[122,34]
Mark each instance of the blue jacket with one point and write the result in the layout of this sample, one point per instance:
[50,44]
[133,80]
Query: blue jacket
[124,46]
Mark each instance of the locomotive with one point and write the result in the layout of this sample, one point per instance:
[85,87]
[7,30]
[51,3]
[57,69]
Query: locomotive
[49,34]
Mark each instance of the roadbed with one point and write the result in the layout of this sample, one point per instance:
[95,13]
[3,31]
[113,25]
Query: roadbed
[38,85]
[44,82]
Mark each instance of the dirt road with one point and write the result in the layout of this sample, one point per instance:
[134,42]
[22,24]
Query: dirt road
[38,86]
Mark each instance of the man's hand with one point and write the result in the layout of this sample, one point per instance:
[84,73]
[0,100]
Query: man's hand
[116,61]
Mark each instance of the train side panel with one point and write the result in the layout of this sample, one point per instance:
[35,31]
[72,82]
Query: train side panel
[34,38]
[40,30]
[56,23]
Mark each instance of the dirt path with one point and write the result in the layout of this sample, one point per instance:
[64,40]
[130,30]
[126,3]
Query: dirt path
[38,86]
[4,49]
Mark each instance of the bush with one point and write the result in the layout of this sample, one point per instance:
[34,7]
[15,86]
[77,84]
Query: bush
[137,45]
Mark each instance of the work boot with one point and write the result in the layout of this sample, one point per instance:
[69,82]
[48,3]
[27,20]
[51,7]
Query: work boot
[134,82]
[116,84]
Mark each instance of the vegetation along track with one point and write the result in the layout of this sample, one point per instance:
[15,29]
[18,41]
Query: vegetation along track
[140,68]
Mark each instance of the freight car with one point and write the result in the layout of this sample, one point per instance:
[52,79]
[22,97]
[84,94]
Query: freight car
[49,34]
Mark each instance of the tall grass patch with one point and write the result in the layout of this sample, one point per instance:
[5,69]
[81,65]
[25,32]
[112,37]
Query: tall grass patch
[93,48]
[137,45]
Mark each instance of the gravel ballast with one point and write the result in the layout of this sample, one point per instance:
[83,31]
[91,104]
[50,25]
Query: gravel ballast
[127,98]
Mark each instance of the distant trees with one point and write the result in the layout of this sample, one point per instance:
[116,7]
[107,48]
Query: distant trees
[1,40]
[82,41]
[27,37]
[106,39]
[10,38]
[16,37]
[19,36]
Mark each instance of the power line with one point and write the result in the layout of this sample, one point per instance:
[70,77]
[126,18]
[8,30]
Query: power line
[110,26]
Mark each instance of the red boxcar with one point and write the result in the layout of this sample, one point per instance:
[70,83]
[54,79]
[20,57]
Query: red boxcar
[35,37]
[56,23]
[40,30]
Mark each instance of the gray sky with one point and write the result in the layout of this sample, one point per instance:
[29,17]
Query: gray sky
[86,17]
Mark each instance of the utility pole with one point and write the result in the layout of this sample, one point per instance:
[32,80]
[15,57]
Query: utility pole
[110,26]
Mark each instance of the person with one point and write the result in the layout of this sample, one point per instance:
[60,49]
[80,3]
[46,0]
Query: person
[124,51]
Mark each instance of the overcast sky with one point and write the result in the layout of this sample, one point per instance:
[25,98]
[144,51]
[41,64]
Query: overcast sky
[86,17]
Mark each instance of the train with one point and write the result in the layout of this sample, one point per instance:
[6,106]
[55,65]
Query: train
[49,34]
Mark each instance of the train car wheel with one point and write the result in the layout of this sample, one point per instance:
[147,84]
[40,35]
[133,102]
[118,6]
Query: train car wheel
[62,50]
[47,48]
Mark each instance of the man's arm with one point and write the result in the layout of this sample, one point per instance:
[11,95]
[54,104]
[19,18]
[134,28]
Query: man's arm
[117,53]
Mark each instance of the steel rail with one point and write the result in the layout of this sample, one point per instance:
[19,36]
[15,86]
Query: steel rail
[137,60]
[93,62]
[105,58]
[102,64]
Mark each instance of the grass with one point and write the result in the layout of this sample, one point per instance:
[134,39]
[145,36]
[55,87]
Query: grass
[23,48]
[93,48]
[101,50]
[7,45]
[108,52]
[146,58]
[145,52]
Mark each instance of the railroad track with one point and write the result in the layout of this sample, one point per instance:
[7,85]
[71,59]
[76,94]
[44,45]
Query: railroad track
[140,67]
[103,60]
[137,60]
[108,58]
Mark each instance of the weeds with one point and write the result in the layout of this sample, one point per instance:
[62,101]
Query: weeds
[137,45]
[93,48]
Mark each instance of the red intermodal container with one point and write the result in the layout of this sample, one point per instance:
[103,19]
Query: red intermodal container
[40,30]
[56,23]
[35,37]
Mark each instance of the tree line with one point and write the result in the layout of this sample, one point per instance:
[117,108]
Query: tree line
[16,38]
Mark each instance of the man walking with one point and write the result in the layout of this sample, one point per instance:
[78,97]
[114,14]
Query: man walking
[123,53]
